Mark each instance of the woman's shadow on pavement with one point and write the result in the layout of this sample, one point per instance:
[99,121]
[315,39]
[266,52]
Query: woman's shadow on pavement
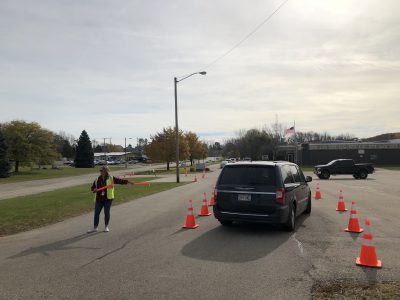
[55,246]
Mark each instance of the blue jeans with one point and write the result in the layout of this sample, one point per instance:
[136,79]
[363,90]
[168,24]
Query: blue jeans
[97,210]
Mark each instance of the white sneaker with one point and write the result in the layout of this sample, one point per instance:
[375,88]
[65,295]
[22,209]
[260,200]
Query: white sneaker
[94,229]
[106,229]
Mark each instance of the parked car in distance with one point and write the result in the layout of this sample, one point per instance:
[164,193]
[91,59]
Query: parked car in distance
[344,166]
[224,163]
[69,162]
[260,191]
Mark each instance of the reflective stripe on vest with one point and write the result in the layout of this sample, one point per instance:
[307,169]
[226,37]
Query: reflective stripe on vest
[110,191]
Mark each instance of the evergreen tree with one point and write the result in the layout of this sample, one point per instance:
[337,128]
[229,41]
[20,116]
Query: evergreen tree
[84,157]
[4,163]
[98,148]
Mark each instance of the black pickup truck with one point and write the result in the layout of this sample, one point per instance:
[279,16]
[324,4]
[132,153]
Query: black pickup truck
[344,166]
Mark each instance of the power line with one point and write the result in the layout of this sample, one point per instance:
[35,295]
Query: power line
[247,36]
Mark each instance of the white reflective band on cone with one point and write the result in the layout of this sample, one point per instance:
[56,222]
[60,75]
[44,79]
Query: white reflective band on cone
[368,242]
[368,236]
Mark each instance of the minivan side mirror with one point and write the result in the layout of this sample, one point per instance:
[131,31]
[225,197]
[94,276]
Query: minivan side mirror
[308,178]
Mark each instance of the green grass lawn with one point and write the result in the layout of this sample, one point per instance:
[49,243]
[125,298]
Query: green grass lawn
[390,167]
[307,168]
[27,174]
[28,212]
[170,171]
[34,174]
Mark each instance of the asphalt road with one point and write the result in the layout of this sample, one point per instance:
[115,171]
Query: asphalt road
[11,190]
[147,255]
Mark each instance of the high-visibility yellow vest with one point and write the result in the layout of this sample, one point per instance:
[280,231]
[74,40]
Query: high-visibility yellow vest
[110,191]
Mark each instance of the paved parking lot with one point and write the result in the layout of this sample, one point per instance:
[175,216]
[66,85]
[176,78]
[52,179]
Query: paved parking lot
[378,199]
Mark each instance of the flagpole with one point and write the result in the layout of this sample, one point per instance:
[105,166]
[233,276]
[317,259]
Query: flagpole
[295,143]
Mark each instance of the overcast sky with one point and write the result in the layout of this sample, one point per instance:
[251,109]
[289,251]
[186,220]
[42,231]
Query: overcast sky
[108,66]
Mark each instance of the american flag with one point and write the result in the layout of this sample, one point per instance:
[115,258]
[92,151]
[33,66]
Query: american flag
[289,130]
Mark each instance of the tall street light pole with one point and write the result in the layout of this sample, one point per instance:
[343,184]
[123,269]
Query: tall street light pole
[176,80]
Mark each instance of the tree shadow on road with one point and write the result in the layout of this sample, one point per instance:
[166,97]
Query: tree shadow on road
[55,246]
[241,242]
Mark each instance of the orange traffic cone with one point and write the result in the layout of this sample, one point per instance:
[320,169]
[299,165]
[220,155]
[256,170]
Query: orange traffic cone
[212,199]
[341,206]
[204,208]
[368,254]
[195,178]
[190,221]
[353,226]
[130,174]
[203,175]
[318,192]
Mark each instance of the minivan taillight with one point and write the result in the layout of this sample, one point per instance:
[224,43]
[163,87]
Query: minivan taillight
[280,196]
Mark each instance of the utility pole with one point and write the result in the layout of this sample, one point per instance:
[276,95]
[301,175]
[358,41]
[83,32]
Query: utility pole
[295,143]
[176,131]
[276,137]
[126,166]
[104,148]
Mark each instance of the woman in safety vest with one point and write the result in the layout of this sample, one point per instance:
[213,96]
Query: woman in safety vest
[104,197]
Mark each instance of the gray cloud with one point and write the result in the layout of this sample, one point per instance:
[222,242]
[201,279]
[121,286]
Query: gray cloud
[330,65]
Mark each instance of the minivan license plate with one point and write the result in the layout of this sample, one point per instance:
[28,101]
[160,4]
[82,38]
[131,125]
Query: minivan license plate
[244,197]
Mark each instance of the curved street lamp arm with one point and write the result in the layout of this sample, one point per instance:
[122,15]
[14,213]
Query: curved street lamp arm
[202,73]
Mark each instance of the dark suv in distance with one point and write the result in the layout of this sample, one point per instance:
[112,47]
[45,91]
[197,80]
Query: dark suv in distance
[260,191]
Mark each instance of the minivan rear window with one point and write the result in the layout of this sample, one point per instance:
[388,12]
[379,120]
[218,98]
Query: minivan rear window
[248,175]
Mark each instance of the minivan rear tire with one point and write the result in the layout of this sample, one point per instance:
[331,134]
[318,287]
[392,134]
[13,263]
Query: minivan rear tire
[291,222]
[308,208]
